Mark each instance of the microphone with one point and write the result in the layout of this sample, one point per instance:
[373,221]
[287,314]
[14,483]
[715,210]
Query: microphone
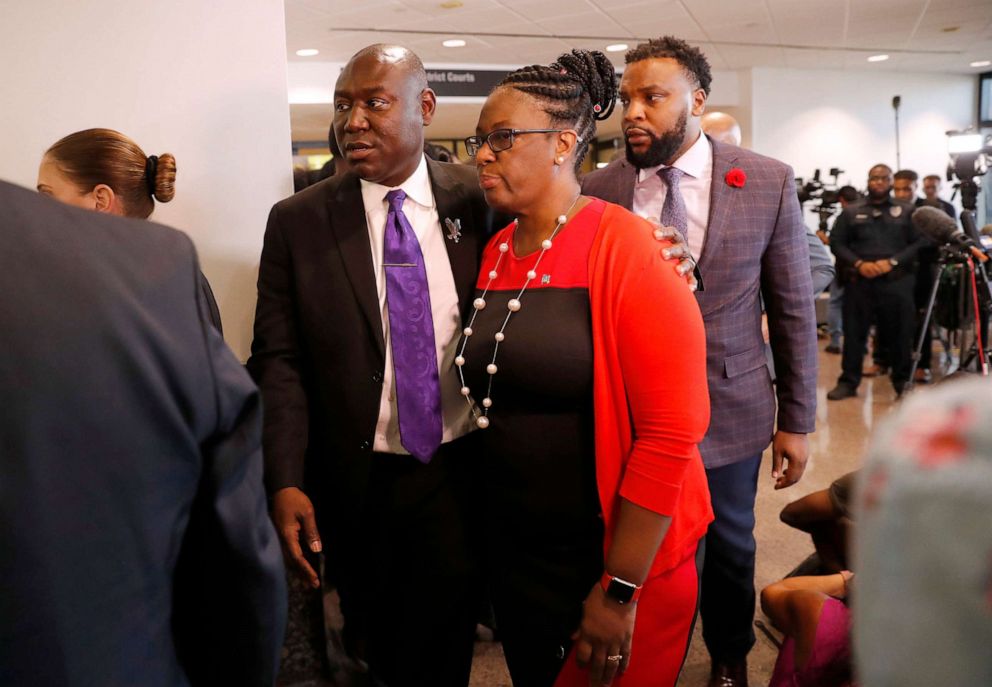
[896,102]
[939,227]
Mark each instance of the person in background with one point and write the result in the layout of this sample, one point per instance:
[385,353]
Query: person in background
[846,195]
[931,192]
[876,243]
[674,172]
[438,153]
[720,126]
[105,171]
[904,185]
[813,614]
[923,614]
[135,543]
[926,272]
[826,516]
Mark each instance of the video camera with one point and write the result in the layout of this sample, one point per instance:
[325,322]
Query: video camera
[816,190]
[969,154]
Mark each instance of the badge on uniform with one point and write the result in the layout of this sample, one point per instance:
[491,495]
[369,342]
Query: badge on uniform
[895,210]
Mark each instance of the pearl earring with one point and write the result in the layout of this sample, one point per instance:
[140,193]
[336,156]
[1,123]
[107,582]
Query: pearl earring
[559,160]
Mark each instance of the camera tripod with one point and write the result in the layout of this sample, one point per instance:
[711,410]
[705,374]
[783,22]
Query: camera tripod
[974,311]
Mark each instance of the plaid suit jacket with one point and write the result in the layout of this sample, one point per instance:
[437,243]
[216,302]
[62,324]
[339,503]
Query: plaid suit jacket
[755,253]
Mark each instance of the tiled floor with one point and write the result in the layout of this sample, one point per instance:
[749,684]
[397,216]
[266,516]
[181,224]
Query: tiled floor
[843,431]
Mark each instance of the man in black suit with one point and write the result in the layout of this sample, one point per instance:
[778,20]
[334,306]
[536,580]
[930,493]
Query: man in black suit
[345,472]
[134,542]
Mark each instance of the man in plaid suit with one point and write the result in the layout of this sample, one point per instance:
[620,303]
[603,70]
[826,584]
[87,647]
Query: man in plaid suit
[740,216]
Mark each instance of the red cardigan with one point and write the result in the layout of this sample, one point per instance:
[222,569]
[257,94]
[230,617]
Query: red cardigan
[650,393]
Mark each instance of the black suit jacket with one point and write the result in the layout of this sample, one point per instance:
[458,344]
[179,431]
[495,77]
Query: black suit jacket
[318,354]
[135,547]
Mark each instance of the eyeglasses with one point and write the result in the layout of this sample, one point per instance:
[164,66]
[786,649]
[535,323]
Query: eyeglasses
[501,139]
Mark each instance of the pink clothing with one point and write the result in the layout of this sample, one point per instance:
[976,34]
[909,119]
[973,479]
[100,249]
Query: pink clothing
[829,663]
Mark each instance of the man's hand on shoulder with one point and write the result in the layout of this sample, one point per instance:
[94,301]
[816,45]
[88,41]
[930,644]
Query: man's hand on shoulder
[679,250]
[794,448]
[292,512]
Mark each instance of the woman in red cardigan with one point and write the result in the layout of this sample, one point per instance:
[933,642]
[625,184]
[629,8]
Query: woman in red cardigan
[585,362]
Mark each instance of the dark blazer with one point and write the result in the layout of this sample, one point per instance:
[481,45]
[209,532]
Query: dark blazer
[318,353]
[135,547]
[755,248]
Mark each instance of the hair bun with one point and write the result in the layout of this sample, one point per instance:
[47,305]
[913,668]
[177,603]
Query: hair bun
[165,178]
[597,75]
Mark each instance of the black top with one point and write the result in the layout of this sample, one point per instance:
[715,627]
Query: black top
[941,203]
[876,231]
[539,452]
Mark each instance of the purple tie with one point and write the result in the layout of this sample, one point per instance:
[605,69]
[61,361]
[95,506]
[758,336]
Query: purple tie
[673,213]
[411,335]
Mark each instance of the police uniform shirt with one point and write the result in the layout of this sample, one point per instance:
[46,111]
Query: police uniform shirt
[876,231]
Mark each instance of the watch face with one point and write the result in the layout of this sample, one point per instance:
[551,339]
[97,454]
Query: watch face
[620,592]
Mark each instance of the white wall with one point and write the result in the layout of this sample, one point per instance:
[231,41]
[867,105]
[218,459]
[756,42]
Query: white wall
[823,119]
[205,81]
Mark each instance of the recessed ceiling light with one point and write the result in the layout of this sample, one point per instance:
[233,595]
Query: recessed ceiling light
[981,63]
[616,47]
[308,52]
[451,5]
[878,58]
[950,29]
[454,43]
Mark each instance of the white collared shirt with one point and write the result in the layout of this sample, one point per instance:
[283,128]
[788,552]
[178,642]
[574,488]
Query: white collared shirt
[695,184]
[421,210]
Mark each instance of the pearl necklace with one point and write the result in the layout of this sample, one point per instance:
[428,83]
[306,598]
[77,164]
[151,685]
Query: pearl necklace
[512,306]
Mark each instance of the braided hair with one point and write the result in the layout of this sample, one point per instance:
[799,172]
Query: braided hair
[576,90]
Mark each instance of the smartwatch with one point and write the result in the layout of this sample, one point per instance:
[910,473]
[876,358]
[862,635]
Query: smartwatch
[620,590]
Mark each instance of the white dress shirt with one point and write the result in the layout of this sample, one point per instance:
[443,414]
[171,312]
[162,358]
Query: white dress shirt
[695,184]
[421,210]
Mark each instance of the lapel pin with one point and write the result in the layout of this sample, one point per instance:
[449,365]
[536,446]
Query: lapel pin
[454,229]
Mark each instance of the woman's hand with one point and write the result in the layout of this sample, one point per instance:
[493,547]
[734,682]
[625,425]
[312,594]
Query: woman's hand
[606,630]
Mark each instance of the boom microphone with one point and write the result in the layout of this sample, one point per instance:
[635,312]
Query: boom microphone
[939,227]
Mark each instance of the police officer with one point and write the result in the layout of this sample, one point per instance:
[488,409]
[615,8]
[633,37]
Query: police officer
[877,244]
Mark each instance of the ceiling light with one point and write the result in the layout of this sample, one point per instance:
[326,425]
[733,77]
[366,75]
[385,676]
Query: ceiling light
[308,52]
[981,63]
[616,47]
[454,43]
[878,58]
[451,5]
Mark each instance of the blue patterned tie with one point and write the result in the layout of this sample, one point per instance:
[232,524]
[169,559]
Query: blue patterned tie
[411,335]
[673,213]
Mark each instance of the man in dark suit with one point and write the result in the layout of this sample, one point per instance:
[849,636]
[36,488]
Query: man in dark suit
[135,546]
[740,216]
[356,465]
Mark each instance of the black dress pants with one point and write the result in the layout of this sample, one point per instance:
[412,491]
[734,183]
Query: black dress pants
[537,594]
[410,594]
[888,300]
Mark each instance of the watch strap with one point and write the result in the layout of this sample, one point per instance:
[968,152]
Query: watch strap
[619,589]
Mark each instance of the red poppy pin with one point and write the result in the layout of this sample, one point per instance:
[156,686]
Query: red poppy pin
[736,177]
